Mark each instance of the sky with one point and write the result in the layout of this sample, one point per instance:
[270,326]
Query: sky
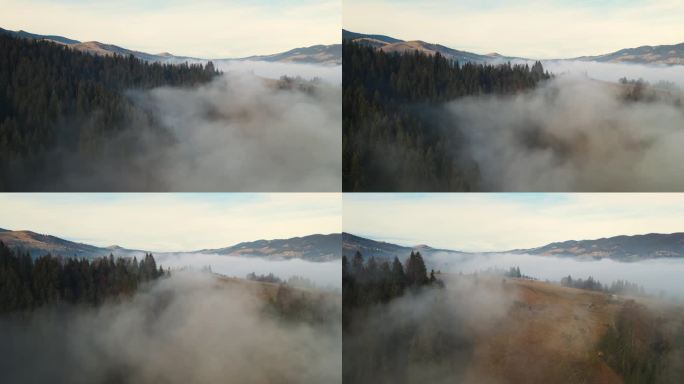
[539,29]
[171,222]
[197,28]
[481,222]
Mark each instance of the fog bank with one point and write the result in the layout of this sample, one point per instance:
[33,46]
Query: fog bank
[614,71]
[185,329]
[572,134]
[238,133]
[324,274]
[654,275]
[274,70]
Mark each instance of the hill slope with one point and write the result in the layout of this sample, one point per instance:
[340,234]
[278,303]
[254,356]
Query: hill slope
[659,54]
[383,250]
[623,248]
[313,247]
[316,54]
[390,44]
[38,245]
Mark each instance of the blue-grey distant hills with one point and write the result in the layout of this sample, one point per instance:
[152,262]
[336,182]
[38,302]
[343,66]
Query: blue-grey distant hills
[313,247]
[316,54]
[651,55]
[383,250]
[620,248]
[659,54]
[623,248]
[391,44]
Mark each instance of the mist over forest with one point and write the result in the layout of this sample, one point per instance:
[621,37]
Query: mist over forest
[514,126]
[186,328]
[490,324]
[324,274]
[127,321]
[71,121]
[655,275]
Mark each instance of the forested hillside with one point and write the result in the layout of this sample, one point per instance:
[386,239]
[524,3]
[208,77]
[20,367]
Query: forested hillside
[394,137]
[56,101]
[386,337]
[27,283]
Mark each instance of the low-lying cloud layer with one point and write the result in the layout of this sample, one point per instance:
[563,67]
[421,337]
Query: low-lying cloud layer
[274,70]
[241,132]
[185,329]
[654,275]
[429,336]
[324,274]
[573,134]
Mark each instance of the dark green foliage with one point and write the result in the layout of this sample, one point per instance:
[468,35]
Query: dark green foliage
[395,136]
[635,347]
[619,287]
[26,284]
[53,99]
[396,328]
[365,284]
[296,306]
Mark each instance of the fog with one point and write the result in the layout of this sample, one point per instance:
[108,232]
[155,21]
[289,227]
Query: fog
[274,70]
[425,336]
[612,72]
[240,132]
[324,274]
[188,328]
[654,274]
[573,133]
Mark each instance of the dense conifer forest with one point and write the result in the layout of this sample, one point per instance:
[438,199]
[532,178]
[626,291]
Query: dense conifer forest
[27,283]
[370,282]
[393,136]
[387,336]
[54,100]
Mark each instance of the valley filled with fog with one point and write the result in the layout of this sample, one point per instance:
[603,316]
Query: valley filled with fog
[655,275]
[275,70]
[325,275]
[189,327]
[119,123]
[580,131]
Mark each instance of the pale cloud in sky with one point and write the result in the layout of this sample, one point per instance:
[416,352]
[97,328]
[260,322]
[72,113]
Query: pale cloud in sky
[198,28]
[530,28]
[172,222]
[498,222]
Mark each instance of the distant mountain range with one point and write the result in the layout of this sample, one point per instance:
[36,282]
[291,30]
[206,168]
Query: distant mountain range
[624,248]
[331,247]
[312,247]
[390,44]
[658,55]
[317,54]
[382,250]
[621,248]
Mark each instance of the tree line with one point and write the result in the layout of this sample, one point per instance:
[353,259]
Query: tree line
[27,283]
[369,282]
[395,136]
[619,287]
[53,97]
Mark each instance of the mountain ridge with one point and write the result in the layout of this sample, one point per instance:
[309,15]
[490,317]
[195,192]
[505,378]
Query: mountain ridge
[315,54]
[621,248]
[659,54]
[316,247]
